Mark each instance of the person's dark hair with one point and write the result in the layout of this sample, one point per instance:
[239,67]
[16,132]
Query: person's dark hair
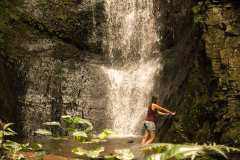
[154,99]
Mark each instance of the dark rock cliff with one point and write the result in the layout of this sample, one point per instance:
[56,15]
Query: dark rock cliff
[54,48]
[200,79]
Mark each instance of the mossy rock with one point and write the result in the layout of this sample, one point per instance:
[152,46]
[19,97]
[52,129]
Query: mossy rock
[231,134]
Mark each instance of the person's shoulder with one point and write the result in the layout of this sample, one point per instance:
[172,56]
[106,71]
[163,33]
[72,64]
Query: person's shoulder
[154,106]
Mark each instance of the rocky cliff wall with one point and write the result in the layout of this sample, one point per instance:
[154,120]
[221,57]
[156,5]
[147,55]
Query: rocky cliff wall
[202,66]
[55,50]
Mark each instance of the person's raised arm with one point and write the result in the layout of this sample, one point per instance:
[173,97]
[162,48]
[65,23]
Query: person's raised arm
[163,113]
[163,109]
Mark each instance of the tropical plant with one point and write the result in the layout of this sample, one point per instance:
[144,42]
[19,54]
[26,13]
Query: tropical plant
[81,130]
[198,10]
[76,127]
[96,153]
[124,154]
[13,150]
[74,122]
[93,153]
[6,131]
[165,151]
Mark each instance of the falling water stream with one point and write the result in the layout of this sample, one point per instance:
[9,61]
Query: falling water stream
[132,48]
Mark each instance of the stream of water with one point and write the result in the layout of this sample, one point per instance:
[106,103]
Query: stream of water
[132,46]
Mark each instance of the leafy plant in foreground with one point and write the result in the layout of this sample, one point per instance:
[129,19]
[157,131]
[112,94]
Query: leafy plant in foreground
[93,153]
[14,150]
[166,151]
[81,130]
[76,127]
[121,154]
[6,131]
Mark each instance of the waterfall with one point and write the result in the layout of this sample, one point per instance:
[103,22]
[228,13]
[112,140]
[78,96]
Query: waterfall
[132,47]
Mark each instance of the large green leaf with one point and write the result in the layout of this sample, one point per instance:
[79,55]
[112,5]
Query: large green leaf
[124,154]
[7,125]
[105,134]
[36,147]
[80,135]
[76,120]
[43,132]
[94,153]
[1,134]
[52,124]
[183,151]
[12,146]
[7,131]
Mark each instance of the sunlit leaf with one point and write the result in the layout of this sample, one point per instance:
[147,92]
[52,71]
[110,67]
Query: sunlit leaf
[110,157]
[105,134]
[37,147]
[80,135]
[185,151]
[65,116]
[43,132]
[25,147]
[12,146]
[7,125]
[94,140]
[124,154]
[94,153]
[1,133]
[78,120]
[52,124]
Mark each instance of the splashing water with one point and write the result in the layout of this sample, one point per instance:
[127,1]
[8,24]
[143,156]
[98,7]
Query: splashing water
[132,45]
[129,92]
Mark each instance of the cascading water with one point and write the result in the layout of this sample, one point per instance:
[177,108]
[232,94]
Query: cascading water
[132,47]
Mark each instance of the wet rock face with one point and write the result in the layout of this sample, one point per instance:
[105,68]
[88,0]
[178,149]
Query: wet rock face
[7,89]
[204,72]
[222,39]
[56,52]
[79,22]
[59,83]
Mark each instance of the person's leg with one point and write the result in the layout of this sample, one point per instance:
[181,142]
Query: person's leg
[152,137]
[145,137]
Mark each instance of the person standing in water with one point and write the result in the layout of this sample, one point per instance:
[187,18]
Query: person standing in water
[150,121]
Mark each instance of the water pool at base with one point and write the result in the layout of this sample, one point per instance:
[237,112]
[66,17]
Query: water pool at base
[59,149]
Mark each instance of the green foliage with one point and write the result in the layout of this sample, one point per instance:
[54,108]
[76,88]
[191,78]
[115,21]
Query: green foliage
[52,124]
[124,154]
[81,130]
[11,148]
[78,128]
[73,121]
[198,10]
[80,136]
[43,132]
[105,134]
[93,153]
[6,131]
[14,149]
[165,151]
